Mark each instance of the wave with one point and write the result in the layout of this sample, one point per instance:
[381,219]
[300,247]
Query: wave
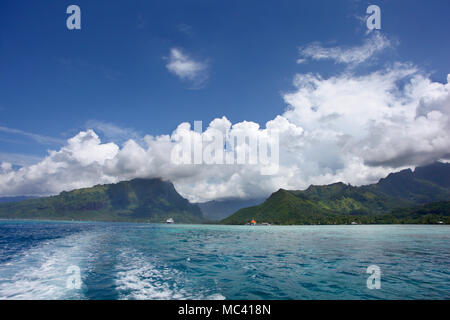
[41,272]
[142,277]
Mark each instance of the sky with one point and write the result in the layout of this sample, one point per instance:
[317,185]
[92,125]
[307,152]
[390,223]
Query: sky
[105,103]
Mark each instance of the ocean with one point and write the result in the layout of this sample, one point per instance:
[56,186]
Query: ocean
[87,260]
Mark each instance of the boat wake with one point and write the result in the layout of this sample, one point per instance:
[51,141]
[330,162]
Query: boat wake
[142,277]
[41,272]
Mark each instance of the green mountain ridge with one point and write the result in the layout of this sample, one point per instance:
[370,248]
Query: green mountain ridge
[137,200]
[419,196]
[338,203]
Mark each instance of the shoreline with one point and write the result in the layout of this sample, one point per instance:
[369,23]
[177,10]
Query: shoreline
[221,224]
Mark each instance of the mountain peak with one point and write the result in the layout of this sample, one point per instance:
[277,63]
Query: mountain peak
[400,175]
[343,203]
[438,173]
[150,200]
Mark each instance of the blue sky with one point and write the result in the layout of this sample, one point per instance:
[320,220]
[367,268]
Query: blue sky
[54,80]
[113,73]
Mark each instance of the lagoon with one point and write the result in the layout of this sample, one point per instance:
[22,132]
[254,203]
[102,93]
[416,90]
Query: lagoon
[158,261]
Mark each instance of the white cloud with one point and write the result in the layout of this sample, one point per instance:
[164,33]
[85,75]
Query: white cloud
[36,137]
[113,132]
[5,167]
[352,55]
[19,159]
[392,118]
[350,128]
[346,128]
[187,68]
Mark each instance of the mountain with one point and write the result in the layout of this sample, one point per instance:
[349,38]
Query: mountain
[149,200]
[216,210]
[419,196]
[437,173]
[14,199]
[282,207]
[434,212]
[341,203]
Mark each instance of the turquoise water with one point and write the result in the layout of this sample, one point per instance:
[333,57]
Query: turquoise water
[151,261]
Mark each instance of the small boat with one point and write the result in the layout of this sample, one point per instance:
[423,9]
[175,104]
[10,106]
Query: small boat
[253,222]
[170,220]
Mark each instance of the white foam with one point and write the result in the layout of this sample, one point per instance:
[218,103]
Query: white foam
[40,272]
[138,277]
[216,296]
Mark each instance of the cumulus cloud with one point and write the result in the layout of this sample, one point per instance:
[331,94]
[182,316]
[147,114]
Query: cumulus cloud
[347,128]
[78,164]
[186,68]
[392,118]
[351,55]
